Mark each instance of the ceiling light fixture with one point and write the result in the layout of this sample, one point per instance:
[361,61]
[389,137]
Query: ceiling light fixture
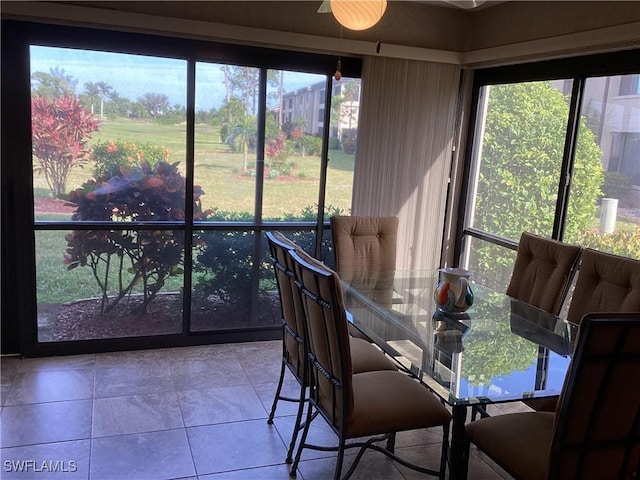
[358,14]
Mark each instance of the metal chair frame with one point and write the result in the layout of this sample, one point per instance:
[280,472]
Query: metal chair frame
[300,372]
[317,370]
[571,452]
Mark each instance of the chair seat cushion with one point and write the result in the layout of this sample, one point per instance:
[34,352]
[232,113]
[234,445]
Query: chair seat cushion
[365,357]
[387,401]
[501,438]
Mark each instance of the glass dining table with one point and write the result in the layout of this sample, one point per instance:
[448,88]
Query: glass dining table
[499,350]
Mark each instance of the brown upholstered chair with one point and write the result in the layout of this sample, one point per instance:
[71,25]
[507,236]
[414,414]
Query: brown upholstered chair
[364,243]
[378,403]
[543,271]
[595,432]
[605,283]
[365,356]
[541,277]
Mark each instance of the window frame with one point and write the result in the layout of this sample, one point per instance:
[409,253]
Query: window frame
[578,69]
[19,316]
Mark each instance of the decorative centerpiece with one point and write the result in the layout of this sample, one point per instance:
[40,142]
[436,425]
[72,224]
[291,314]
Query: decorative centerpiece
[453,293]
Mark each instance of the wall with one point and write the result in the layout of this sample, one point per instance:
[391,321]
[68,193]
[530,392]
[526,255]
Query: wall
[506,32]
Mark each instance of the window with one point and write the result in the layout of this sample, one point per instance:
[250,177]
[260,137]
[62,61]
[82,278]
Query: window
[604,214]
[625,150]
[554,152]
[153,178]
[101,155]
[630,85]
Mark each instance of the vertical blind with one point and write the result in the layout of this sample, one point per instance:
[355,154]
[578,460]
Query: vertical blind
[407,125]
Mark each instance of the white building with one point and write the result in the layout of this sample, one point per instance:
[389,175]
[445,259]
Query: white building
[308,104]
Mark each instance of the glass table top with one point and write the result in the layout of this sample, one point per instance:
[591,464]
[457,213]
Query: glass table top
[499,350]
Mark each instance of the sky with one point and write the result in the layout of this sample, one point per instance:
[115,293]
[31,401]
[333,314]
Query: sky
[134,75]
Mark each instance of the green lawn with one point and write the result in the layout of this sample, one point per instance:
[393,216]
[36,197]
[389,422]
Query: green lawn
[218,170]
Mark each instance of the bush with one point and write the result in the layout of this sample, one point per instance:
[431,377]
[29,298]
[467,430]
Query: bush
[334,143]
[115,157]
[60,128]
[225,259]
[621,242]
[517,189]
[278,150]
[309,145]
[349,146]
[122,259]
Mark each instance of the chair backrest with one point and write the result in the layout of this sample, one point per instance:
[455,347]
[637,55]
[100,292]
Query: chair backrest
[597,426]
[364,243]
[543,271]
[327,337]
[605,283]
[279,246]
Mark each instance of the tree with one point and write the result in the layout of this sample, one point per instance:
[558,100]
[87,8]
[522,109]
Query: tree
[119,106]
[53,84]
[230,113]
[60,130]
[155,104]
[522,148]
[241,135]
[244,83]
[344,108]
[104,91]
[92,92]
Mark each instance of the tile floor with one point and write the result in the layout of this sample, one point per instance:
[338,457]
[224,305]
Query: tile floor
[179,413]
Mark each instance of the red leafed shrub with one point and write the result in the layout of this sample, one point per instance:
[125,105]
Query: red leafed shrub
[277,150]
[60,129]
[123,259]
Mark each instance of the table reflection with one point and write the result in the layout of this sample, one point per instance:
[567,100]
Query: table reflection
[490,353]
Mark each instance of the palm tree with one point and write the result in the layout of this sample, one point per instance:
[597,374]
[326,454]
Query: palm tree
[93,92]
[104,90]
[241,135]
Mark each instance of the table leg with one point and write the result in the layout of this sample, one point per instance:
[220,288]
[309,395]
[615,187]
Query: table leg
[457,454]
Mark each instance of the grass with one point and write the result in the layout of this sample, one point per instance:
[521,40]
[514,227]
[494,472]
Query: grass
[54,283]
[216,169]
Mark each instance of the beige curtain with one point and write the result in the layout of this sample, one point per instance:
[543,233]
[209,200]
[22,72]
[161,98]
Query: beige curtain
[403,161]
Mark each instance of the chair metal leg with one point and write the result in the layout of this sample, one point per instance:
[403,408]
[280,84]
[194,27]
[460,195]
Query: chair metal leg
[303,439]
[391,443]
[297,426]
[445,451]
[478,410]
[464,468]
[278,391]
[339,460]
